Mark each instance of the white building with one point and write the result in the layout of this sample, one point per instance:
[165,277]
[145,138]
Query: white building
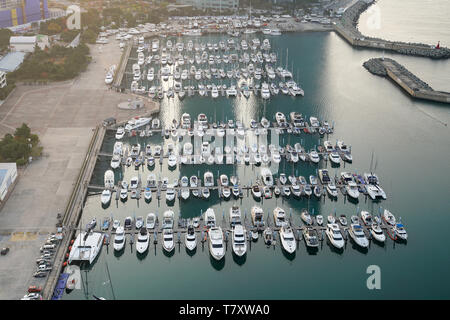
[8,174]
[2,79]
[27,44]
[212,4]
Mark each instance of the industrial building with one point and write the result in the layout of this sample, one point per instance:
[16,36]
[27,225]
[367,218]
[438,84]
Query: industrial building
[8,174]
[17,12]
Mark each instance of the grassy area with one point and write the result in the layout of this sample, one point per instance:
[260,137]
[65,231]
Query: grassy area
[20,146]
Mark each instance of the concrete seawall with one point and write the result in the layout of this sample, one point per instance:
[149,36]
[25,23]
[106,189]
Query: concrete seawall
[414,86]
[347,28]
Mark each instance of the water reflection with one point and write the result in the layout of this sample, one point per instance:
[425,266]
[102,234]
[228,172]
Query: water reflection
[217,264]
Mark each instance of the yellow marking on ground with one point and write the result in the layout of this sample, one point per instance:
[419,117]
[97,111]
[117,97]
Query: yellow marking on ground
[21,236]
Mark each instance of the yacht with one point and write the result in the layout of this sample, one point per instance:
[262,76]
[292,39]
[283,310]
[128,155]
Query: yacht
[314,156]
[287,239]
[324,176]
[356,232]
[86,246]
[105,197]
[208,179]
[257,216]
[306,217]
[311,237]
[235,216]
[319,219]
[120,133]
[170,193]
[224,180]
[239,240]
[281,119]
[389,217]
[332,190]
[256,191]
[216,243]
[109,179]
[400,232]
[265,92]
[137,122]
[168,218]
[373,188]
[335,236]
[210,218]
[377,233]
[119,239]
[352,190]
[142,241]
[343,220]
[150,221]
[190,239]
[366,217]
[168,242]
[279,217]
[342,147]
[148,194]
[267,177]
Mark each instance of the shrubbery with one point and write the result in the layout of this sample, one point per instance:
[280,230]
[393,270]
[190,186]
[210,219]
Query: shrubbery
[18,147]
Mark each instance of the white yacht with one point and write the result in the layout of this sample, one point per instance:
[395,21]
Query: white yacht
[216,245]
[170,193]
[366,217]
[281,119]
[257,216]
[210,218]
[373,188]
[332,190]
[235,216]
[208,179]
[356,232]
[267,177]
[150,221]
[168,242]
[115,161]
[306,217]
[190,239]
[400,232]
[142,241]
[105,197]
[341,146]
[119,239]
[389,217]
[352,189]
[335,236]
[377,232]
[287,239]
[109,179]
[86,246]
[136,123]
[279,217]
[120,133]
[238,241]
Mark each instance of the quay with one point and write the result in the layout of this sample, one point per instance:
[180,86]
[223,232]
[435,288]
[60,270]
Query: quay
[415,87]
[347,29]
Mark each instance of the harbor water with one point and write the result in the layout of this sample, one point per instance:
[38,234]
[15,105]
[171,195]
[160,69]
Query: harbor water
[406,142]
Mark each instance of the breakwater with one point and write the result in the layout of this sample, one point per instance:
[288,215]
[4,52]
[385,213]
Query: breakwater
[414,86]
[347,28]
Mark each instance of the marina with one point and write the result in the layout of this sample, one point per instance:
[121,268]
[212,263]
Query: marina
[298,236]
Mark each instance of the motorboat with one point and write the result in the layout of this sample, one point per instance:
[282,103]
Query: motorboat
[268,236]
[366,217]
[345,151]
[256,192]
[208,179]
[283,178]
[116,224]
[109,179]
[343,220]
[209,218]
[332,190]
[216,243]
[136,122]
[238,240]
[317,190]
[267,177]
[170,193]
[334,235]
[281,119]
[86,246]
[139,223]
[377,233]
[148,194]
[311,237]
[190,239]
[352,190]
[105,197]
[168,218]
[257,216]
[287,239]
[296,190]
[142,241]
[168,242]
[324,176]
[306,217]
[120,133]
[314,156]
[319,220]
[389,217]
[224,180]
[279,217]
[150,221]
[331,219]
[400,232]
[119,239]
[356,232]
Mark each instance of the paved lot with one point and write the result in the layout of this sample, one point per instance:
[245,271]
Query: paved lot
[64,115]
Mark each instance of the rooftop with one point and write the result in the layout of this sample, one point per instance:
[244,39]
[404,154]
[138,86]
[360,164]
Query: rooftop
[12,61]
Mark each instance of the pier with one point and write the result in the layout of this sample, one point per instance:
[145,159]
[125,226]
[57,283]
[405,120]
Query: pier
[347,29]
[415,87]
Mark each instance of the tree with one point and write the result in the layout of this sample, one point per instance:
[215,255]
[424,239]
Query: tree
[54,28]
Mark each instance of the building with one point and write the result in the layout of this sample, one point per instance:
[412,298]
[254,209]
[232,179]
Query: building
[212,4]
[12,61]
[2,79]
[28,44]
[18,12]
[8,174]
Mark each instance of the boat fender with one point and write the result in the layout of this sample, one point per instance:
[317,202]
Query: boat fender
[71,241]
[67,255]
[70,248]
[64,264]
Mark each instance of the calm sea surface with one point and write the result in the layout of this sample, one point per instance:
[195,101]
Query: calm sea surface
[409,141]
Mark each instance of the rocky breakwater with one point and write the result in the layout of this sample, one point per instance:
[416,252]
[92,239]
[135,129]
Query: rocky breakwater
[347,27]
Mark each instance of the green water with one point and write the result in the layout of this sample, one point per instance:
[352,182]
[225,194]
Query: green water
[410,143]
